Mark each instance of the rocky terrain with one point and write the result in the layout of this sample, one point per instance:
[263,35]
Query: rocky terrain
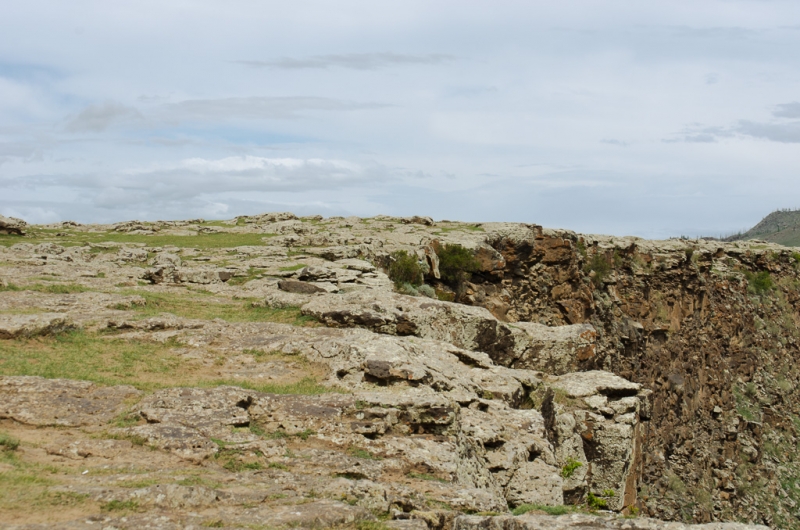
[266,372]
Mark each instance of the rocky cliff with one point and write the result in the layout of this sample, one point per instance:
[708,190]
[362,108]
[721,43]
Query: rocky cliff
[263,371]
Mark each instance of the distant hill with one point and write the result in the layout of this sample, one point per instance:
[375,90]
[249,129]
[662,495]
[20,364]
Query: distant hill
[781,226]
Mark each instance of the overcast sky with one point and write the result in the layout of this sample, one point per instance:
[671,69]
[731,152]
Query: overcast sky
[651,118]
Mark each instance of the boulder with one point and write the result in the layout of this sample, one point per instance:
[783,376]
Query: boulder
[12,225]
[296,286]
[552,349]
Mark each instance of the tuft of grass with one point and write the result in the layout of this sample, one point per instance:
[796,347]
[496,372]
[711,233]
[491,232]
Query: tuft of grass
[426,476]
[307,386]
[290,268]
[596,502]
[358,452]
[235,465]
[278,465]
[550,510]
[120,506]
[570,467]
[8,443]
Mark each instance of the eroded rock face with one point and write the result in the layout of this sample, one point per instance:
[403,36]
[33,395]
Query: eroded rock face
[532,521]
[12,225]
[19,326]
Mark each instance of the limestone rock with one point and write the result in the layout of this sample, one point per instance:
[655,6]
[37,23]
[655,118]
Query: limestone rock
[12,225]
[299,287]
[535,483]
[39,401]
[552,349]
[540,521]
[18,326]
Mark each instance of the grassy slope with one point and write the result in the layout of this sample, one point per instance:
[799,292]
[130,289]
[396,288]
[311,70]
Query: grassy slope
[781,227]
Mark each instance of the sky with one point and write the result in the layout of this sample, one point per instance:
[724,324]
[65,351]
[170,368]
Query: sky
[654,119]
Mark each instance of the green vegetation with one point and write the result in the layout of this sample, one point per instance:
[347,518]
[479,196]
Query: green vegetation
[120,506]
[456,263]
[426,476]
[405,269]
[781,226]
[361,453]
[295,267]
[252,274]
[549,510]
[596,502]
[201,305]
[234,465]
[569,468]
[759,283]
[8,443]
[55,288]
[200,241]
[598,265]
[106,360]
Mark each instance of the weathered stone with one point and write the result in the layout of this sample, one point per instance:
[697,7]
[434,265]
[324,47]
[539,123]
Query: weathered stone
[540,521]
[299,287]
[39,401]
[19,326]
[552,349]
[12,225]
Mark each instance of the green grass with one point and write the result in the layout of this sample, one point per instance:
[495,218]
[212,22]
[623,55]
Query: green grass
[426,476]
[120,506]
[81,355]
[550,510]
[76,238]
[361,453]
[56,288]
[8,442]
[307,386]
[295,267]
[145,365]
[202,306]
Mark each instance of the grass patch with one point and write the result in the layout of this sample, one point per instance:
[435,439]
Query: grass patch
[120,506]
[81,355]
[202,306]
[200,241]
[307,386]
[426,476]
[8,443]
[549,510]
[106,360]
[358,452]
[290,268]
[234,465]
[570,467]
[252,274]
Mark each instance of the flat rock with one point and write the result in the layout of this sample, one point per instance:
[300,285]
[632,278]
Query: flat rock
[540,521]
[40,401]
[20,326]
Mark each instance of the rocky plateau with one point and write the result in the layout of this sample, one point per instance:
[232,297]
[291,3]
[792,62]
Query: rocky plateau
[266,372]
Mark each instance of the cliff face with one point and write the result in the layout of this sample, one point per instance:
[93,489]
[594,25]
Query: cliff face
[711,328]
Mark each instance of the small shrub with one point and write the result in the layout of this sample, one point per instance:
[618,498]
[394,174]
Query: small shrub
[596,502]
[405,268]
[759,283]
[600,266]
[407,288]
[427,290]
[456,263]
[569,468]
